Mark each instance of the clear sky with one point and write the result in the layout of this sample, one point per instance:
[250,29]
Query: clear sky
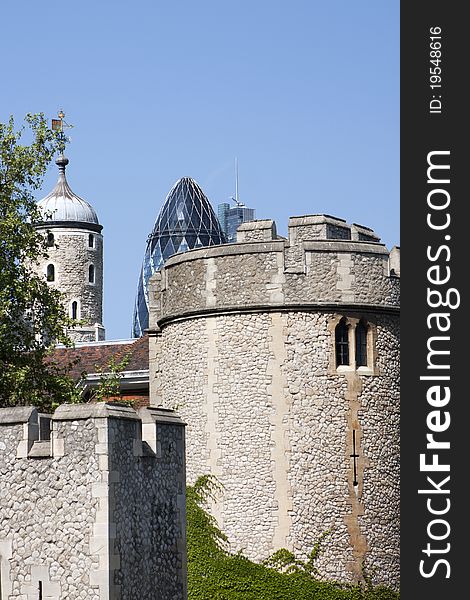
[304,93]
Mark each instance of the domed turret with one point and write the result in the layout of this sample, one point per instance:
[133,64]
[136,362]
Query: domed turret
[63,205]
[186,221]
[74,264]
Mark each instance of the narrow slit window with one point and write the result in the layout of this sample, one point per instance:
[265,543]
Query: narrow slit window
[50,273]
[342,343]
[354,456]
[91,241]
[74,311]
[361,344]
[50,239]
[91,274]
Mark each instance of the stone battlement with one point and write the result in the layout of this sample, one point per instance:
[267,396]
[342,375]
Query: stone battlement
[324,262]
[93,502]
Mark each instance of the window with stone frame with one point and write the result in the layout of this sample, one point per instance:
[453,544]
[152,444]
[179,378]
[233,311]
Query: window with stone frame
[353,344]
[91,241]
[91,274]
[342,343]
[361,334]
[50,239]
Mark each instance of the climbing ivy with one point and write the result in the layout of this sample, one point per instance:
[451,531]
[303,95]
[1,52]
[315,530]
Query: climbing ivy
[214,573]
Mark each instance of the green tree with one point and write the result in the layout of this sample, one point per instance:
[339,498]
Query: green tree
[32,318]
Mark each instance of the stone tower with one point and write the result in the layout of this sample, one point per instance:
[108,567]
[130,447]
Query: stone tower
[75,256]
[282,356]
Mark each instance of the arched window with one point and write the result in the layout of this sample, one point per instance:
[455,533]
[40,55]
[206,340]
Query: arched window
[74,310]
[50,273]
[342,343]
[91,274]
[361,344]
[50,239]
[91,241]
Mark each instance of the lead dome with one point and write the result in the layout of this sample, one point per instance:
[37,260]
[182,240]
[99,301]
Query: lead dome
[63,205]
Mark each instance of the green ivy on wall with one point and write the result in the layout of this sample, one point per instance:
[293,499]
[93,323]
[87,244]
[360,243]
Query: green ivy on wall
[216,574]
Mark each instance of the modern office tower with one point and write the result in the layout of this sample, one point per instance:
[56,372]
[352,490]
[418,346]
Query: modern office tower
[186,221]
[230,217]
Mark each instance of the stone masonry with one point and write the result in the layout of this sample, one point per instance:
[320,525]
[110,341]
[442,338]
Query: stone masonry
[243,344]
[74,250]
[98,510]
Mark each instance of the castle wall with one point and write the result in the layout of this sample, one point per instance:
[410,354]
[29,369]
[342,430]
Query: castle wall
[244,347]
[94,512]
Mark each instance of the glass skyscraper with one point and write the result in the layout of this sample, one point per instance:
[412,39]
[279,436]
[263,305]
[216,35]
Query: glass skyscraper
[186,221]
[231,217]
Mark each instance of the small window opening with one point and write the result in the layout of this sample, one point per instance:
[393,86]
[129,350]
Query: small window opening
[91,241]
[44,421]
[40,590]
[361,344]
[91,273]
[74,310]
[50,273]
[342,343]
[50,239]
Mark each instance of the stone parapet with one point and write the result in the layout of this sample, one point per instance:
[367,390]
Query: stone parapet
[316,267]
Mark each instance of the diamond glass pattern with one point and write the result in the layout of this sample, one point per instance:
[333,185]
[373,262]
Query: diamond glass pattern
[186,221]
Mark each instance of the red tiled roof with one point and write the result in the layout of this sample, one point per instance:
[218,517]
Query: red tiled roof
[95,357]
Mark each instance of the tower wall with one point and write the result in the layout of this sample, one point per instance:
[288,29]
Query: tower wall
[244,345]
[72,255]
[95,512]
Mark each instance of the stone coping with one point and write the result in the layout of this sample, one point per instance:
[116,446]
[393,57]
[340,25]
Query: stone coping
[317,220]
[255,225]
[237,248]
[17,414]
[354,246]
[158,414]
[103,410]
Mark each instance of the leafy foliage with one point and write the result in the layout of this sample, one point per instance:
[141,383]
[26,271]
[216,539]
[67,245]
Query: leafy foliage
[216,574]
[32,317]
[109,386]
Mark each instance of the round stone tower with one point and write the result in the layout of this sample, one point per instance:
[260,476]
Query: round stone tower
[75,256]
[282,356]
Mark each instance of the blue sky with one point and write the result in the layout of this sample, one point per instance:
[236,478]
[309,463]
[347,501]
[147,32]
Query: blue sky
[304,93]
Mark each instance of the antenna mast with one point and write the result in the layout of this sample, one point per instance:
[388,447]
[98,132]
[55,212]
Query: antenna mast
[236,180]
[236,199]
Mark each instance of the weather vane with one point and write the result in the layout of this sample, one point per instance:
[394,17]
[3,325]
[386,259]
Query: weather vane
[59,125]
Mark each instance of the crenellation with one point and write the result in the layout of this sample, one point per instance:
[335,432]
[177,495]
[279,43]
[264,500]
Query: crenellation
[254,274]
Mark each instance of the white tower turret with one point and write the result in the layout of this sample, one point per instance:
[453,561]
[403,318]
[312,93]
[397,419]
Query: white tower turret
[75,256]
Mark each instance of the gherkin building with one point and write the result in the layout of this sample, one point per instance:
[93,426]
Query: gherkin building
[186,221]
